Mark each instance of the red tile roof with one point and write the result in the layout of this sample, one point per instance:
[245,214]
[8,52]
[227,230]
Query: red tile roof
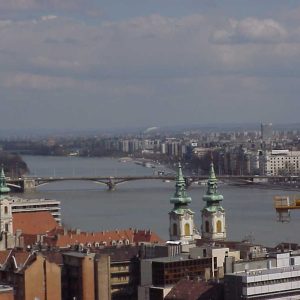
[38,222]
[4,256]
[109,238]
[187,289]
[21,257]
[146,236]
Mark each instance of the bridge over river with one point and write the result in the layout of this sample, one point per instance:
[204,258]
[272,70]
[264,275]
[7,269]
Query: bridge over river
[29,183]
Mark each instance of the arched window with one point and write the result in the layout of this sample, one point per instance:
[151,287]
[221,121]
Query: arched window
[174,229]
[5,209]
[187,230]
[206,226]
[219,226]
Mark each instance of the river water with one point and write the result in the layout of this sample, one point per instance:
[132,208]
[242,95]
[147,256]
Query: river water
[145,204]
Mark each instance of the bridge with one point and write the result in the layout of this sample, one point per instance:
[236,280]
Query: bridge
[30,183]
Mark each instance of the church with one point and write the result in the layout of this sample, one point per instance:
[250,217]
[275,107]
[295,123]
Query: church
[181,219]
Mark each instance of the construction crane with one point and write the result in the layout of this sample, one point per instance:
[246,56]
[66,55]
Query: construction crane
[283,206]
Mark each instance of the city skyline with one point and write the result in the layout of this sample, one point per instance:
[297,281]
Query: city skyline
[101,64]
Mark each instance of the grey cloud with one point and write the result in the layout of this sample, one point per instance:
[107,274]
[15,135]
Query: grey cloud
[153,64]
[29,5]
[251,30]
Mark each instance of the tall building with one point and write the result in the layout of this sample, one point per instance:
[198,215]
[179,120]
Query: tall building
[266,131]
[213,214]
[181,216]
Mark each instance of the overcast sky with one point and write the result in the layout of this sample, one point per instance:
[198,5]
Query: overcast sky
[128,63]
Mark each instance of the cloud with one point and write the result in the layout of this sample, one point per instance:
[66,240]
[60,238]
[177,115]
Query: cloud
[38,4]
[151,63]
[251,30]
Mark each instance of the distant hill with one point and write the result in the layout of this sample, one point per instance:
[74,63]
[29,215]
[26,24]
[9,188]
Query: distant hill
[13,164]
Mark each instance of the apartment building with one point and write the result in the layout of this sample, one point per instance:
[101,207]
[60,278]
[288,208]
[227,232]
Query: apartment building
[19,205]
[276,277]
[159,275]
[32,275]
[280,162]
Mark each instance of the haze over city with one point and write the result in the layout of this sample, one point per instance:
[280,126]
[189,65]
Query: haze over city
[119,64]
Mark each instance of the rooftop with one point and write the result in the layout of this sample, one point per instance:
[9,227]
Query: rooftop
[170,259]
[38,222]
[195,289]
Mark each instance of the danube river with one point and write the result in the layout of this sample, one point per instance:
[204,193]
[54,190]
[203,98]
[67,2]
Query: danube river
[145,204]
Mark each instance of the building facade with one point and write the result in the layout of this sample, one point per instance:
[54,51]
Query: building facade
[280,162]
[277,277]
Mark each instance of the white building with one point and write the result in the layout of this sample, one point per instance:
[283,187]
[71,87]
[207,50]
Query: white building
[280,162]
[280,280]
[17,205]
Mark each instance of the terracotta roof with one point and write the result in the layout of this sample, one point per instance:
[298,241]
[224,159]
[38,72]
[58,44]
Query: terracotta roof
[107,238]
[187,289]
[21,257]
[4,256]
[38,222]
[146,236]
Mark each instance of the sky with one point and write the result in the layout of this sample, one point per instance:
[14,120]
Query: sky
[95,64]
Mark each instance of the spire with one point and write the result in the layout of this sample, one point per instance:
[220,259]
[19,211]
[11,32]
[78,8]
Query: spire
[212,197]
[180,197]
[3,186]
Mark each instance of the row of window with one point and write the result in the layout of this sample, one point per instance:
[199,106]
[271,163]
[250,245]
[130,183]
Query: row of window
[112,243]
[218,225]
[273,281]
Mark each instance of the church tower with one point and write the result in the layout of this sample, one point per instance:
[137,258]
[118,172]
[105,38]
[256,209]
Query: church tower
[181,217]
[213,214]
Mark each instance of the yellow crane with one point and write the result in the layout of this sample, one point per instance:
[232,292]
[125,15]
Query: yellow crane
[283,205]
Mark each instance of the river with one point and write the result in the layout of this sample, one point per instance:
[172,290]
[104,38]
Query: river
[145,204]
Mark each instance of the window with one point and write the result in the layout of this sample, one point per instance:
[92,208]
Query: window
[187,230]
[219,226]
[5,209]
[6,227]
[174,229]
[206,226]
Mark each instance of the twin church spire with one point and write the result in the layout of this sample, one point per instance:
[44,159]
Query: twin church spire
[182,217]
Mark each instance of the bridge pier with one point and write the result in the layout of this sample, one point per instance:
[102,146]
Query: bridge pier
[111,185]
[29,184]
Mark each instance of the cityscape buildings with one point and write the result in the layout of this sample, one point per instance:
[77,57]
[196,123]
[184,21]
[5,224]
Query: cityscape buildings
[137,264]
